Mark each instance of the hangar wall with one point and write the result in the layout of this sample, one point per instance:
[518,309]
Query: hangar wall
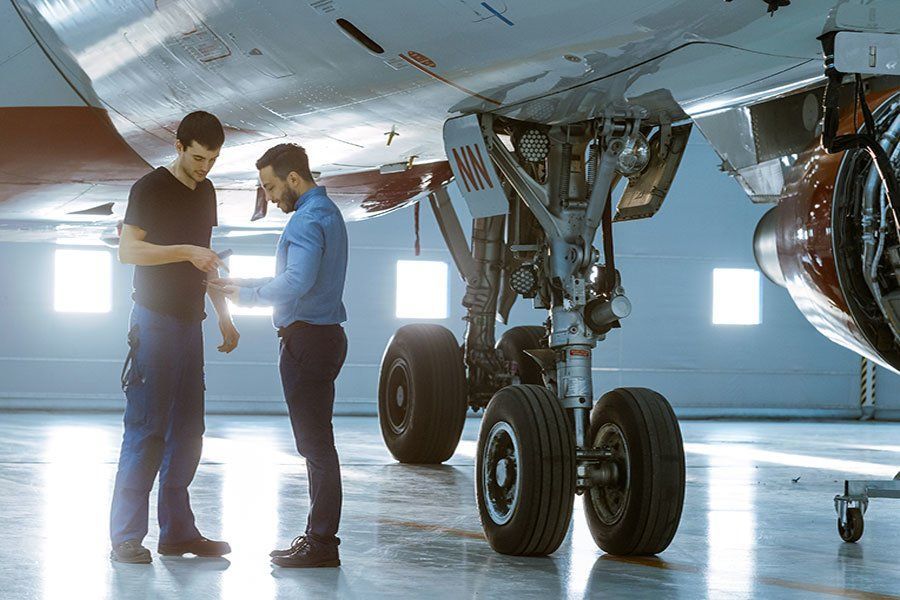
[782,367]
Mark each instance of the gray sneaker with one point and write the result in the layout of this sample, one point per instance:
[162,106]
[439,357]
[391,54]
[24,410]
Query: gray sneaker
[130,551]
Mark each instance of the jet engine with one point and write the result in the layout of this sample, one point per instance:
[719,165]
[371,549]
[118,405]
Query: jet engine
[834,241]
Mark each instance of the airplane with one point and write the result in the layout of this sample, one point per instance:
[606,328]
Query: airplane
[537,111]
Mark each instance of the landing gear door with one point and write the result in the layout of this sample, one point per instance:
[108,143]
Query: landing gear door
[471,163]
[645,193]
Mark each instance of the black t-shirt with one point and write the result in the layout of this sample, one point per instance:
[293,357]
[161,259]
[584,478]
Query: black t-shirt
[171,213]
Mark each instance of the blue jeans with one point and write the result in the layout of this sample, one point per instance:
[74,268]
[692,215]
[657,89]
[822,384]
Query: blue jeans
[310,361]
[164,427]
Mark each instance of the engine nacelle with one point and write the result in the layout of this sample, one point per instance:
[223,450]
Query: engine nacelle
[833,243]
[765,247]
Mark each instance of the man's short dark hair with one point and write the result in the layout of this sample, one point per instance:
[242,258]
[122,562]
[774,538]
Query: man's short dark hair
[203,128]
[285,158]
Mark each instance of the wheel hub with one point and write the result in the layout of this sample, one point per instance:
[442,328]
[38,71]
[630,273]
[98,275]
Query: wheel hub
[503,472]
[500,467]
[398,403]
[610,500]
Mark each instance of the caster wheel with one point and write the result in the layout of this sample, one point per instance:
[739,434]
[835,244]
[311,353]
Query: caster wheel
[852,530]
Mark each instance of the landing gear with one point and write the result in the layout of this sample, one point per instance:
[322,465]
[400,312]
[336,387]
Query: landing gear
[525,471]
[422,394]
[634,503]
[539,195]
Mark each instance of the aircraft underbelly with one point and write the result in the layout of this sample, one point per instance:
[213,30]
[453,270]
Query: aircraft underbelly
[284,71]
[279,70]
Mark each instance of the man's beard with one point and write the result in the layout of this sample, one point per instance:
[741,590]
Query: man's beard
[286,202]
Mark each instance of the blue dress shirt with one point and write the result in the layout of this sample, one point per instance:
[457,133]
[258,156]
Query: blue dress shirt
[310,266]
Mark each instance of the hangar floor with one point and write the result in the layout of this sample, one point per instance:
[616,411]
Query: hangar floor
[748,530]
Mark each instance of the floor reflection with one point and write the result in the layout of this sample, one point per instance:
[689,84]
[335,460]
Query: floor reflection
[741,452]
[584,553]
[77,485]
[750,528]
[731,534]
[250,511]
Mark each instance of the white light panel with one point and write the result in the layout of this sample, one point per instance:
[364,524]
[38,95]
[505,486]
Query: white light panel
[736,297]
[421,289]
[83,281]
[250,266]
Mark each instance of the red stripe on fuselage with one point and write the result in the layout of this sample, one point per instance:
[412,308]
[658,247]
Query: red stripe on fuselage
[64,144]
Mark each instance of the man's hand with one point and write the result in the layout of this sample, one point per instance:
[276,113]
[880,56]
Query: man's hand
[230,336]
[220,282]
[204,259]
[226,288]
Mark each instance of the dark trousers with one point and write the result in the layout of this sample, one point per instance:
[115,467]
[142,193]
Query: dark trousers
[163,427]
[311,358]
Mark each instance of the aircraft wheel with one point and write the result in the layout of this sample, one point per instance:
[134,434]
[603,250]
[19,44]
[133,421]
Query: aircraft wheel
[422,394]
[852,530]
[512,346]
[639,512]
[525,471]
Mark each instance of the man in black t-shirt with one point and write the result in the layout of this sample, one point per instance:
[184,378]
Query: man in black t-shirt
[167,231]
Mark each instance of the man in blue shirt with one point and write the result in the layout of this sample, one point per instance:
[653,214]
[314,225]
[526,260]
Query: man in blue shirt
[311,266]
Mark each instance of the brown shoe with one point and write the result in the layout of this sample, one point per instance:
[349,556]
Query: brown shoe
[199,547]
[295,545]
[308,556]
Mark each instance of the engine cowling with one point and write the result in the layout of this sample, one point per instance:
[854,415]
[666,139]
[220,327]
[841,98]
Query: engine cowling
[832,242]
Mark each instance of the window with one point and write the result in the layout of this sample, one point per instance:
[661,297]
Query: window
[83,281]
[250,267]
[736,297]
[421,289]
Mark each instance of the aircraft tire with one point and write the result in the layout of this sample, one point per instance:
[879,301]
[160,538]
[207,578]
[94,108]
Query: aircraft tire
[525,471]
[512,345]
[638,514]
[422,394]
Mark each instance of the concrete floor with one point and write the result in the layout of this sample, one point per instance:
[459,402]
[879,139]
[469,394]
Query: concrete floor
[748,530]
